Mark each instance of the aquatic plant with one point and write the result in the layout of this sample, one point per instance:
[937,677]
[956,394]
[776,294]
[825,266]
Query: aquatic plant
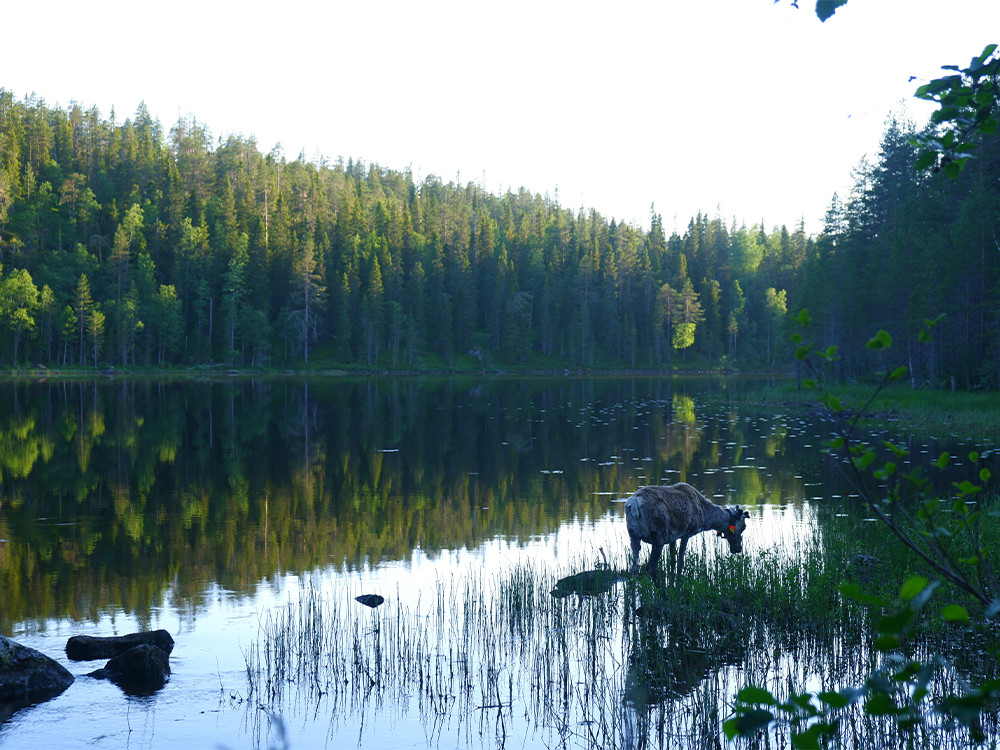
[488,658]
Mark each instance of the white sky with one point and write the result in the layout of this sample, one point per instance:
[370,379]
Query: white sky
[743,108]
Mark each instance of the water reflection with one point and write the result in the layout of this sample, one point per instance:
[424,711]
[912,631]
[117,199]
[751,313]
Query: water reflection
[115,491]
[215,500]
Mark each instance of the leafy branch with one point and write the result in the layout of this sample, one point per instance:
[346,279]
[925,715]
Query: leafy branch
[967,100]
[900,687]
[967,109]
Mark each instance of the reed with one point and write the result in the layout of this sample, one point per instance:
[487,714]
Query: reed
[485,658]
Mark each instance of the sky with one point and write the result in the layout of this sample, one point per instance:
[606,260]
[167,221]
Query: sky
[751,110]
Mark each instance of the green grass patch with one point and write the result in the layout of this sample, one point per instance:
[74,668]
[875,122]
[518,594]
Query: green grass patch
[962,414]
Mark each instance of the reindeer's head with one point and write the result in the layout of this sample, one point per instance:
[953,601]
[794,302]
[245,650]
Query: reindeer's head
[733,532]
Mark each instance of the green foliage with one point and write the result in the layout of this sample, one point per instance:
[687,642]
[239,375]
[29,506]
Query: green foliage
[897,689]
[950,543]
[250,259]
[417,275]
[967,109]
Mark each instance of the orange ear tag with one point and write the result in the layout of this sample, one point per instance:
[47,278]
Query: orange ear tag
[732,529]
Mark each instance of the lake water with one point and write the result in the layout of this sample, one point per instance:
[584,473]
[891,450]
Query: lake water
[206,508]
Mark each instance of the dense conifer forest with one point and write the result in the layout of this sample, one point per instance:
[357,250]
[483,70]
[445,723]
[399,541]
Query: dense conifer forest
[126,245]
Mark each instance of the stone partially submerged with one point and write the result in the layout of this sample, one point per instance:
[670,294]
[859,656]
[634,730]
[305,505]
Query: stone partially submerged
[140,670]
[87,647]
[370,600]
[28,676]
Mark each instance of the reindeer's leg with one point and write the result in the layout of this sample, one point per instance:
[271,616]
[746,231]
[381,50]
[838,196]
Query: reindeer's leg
[654,559]
[680,558]
[636,543]
[672,565]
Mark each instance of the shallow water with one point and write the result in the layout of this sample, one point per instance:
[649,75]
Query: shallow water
[205,508]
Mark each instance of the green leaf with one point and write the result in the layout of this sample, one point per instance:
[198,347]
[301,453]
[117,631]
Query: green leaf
[896,450]
[955,613]
[853,592]
[925,160]
[912,587]
[834,699]
[807,740]
[895,623]
[882,340]
[966,487]
[747,723]
[886,471]
[864,461]
[887,642]
[880,704]
[899,372]
[826,8]
[942,460]
[754,696]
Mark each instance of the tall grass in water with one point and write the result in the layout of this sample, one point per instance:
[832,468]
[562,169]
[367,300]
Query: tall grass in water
[484,659]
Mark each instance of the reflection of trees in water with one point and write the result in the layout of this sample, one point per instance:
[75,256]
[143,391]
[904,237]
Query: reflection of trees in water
[164,486]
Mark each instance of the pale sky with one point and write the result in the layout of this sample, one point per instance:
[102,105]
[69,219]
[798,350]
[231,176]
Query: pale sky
[741,108]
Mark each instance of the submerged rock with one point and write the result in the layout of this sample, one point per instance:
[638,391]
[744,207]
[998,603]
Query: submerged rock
[141,669]
[370,600]
[28,676]
[86,647]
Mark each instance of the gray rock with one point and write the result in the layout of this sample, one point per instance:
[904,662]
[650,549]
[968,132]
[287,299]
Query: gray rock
[140,670]
[85,647]
[28,676]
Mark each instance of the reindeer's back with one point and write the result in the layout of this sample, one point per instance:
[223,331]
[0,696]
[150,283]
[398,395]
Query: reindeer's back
[662,514]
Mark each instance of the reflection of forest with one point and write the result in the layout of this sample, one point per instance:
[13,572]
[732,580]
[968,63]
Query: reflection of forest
[113,493]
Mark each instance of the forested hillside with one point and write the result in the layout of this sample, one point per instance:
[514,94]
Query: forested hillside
[126,245]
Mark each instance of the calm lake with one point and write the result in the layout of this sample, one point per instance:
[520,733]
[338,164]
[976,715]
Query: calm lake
[216,509]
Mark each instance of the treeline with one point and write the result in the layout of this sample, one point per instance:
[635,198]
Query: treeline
[126,245]
[908,247]
[122,244]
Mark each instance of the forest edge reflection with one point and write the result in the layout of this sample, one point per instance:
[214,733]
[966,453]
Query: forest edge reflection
[116,494]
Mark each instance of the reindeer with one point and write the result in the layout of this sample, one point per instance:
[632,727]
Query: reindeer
[658,515]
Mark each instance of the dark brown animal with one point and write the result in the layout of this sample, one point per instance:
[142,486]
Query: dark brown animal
[661,515]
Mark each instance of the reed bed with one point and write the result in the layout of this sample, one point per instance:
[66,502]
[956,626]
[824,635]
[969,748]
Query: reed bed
[483,659]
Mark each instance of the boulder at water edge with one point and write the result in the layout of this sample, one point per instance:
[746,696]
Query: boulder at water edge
[85,647]
[27,675]
[140,670]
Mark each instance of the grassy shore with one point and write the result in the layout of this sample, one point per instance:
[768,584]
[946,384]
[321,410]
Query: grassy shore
[966,415]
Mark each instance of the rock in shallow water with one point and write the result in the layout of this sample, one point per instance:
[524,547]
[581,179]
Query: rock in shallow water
[142,669]
[27,675]
[84,647]
[370,600]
